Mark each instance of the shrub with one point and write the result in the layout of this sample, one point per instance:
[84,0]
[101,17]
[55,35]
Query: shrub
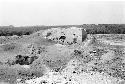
[25,60]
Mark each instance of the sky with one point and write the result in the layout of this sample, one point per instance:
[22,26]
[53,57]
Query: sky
[60,12]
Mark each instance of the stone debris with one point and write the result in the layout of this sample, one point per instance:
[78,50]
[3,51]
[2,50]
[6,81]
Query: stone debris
[62,56]
[70,76]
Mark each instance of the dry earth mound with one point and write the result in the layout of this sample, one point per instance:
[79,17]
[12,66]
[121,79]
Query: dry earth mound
[64,56]
[35,51]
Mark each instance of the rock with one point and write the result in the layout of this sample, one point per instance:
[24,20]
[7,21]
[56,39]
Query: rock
[66,35]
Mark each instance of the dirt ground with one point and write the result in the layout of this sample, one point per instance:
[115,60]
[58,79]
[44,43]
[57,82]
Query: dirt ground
[99,53]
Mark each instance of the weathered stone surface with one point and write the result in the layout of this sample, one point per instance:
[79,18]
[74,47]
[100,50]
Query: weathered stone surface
[66,35]
[69,52]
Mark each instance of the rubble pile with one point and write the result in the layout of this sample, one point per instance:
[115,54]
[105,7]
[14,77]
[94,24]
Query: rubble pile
[61,56]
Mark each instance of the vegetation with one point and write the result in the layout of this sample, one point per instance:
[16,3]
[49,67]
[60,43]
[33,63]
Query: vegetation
[56,60]
[9,74]
[90,28]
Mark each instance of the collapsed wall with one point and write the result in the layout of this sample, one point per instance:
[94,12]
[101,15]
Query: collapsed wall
[66,35]
[32,54]
[59,54]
